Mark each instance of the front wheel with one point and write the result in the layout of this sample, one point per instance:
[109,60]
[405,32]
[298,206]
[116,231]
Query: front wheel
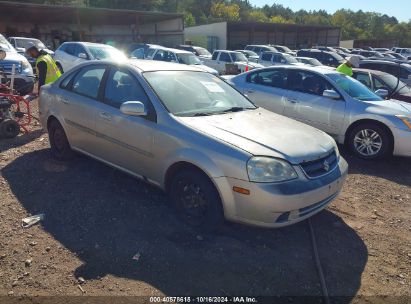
[196,200]
[9,128]
[370,141]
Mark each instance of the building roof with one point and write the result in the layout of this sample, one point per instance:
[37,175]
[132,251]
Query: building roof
[285,27]
[41,13]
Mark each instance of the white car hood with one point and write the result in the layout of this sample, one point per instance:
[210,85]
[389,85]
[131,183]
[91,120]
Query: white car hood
[206,68]
[260,132]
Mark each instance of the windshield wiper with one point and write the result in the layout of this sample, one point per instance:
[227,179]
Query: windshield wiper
[236,109]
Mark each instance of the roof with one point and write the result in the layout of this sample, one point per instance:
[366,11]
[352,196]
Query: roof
[44,14]
[374,72]
[285,27]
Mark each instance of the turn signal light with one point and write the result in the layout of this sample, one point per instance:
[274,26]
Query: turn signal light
[241,190]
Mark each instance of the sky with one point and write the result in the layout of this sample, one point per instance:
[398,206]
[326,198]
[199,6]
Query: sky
[401,9]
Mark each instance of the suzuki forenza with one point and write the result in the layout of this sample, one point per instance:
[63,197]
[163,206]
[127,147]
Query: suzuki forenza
[190,133]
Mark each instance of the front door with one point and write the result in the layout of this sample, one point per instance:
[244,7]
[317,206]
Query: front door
[123,140]
[307,104]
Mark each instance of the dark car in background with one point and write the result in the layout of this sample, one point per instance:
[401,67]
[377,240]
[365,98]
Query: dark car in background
[401,70]
[326,58]
[377,80]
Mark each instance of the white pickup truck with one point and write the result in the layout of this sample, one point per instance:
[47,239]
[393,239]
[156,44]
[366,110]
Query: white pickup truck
[221,58]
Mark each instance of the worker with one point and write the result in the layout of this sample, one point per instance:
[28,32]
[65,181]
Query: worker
[46,68]
[350,62]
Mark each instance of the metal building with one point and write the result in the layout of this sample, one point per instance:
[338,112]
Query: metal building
[236,35]
[54,24]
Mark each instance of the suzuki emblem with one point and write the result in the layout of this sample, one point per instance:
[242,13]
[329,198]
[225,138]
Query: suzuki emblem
[326,166]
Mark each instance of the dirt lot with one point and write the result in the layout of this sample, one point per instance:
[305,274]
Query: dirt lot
[97,219]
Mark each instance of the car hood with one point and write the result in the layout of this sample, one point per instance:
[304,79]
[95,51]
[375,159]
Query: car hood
[14,56]
[260,132]
[390,107]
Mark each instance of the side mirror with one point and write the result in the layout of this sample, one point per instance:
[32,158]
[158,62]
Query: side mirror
[331,94]
[20,50]
[133,108]
[82,56]
[382,93]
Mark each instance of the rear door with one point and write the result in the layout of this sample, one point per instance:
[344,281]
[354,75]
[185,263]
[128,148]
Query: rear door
[307,104]
[123,140]
[266,89]
[78,102]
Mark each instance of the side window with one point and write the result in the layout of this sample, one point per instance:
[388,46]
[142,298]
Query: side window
[121,86]
[70,49]
[79,49]
[363,78]
[225,57]
[215,56]
[404,73]
[266,56]
[308,83]
[87,82]
[169,57]
[272,78]
[378,84]
[66,81]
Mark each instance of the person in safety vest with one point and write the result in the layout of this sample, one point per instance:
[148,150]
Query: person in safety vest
[350,62]
[46,68]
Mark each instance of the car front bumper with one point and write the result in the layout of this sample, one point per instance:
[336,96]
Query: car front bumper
[280,204]
[402,142]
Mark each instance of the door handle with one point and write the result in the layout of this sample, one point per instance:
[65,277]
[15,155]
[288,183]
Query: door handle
[65,100]
[292,100]
[105,115]
[250,91]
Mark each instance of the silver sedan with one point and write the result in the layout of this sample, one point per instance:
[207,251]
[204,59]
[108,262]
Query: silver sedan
[188,132]
[371,126]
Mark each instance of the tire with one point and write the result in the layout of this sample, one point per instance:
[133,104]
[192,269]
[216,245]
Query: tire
[370,141]
[9,128]
[60,147]
[196,200]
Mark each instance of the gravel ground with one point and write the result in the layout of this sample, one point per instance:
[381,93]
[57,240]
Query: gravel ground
[97,219]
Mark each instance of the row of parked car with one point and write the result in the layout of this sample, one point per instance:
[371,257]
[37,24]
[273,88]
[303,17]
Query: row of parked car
[257,148]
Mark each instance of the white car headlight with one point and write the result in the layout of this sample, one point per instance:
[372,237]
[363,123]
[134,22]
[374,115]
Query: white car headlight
[405,119]
[26,67]
[268,170]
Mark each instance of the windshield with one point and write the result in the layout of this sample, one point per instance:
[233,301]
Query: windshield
[202,51]
[250,53]
[283,48]
[106,52]
[5,45]
[290,59]
[338,57]
[392,81]
[189,59]
[237,56]
[354,88]
[189,93]
[314,62]
[26,43]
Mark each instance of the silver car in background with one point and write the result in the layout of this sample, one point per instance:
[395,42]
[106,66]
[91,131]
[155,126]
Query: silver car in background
[371,126]
[190,133]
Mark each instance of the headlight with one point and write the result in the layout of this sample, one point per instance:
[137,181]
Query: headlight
[405,119]
[268,170]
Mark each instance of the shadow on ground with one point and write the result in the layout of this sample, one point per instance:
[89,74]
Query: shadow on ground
[388,169]
[105,217]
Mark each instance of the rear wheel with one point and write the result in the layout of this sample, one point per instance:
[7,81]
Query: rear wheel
[196,200]
[59,144]
[370,141]
[9,128]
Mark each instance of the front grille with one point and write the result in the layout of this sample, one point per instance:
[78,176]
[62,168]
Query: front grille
[6,66]
[322,166]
